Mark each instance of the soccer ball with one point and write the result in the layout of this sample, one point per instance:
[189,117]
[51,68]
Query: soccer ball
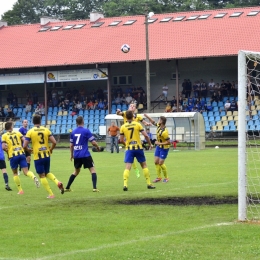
[216,147]
[125,48]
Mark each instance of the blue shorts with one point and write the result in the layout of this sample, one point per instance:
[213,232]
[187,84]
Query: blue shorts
[131,154]
[42,165]
[18,160]
[161,153]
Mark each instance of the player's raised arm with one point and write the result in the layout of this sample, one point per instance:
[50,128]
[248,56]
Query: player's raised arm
[150,119]
[119,112]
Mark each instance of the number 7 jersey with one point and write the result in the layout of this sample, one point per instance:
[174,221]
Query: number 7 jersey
[39,136]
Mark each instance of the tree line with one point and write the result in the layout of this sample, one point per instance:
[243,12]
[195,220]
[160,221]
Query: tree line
[30,11]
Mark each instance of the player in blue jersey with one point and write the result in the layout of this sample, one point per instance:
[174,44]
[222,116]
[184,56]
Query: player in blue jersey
[3,167]
[23,130]
[79,139]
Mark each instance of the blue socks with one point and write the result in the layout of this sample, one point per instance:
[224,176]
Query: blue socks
[94,180]
[5,178]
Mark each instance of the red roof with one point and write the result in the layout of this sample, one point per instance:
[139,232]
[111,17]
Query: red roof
[24,46]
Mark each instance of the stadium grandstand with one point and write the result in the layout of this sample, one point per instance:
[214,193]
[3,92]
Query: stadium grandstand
[67,68]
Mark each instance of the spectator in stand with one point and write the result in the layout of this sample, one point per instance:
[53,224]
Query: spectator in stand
[174,107]
[139,99]
[168,108]
[35,97]
[105,104]
[42,108]
[28,108]
[233,105]
[74,110]
[75,92]
[223,88]
[117,100]
[63,106]
[217,87]
[68,94]
[189,107]
[2,114]
[79,106]
[173,101]
[90,105]
[214,97]
[60,95]
[184,88]
[233,89]
[100,105]
[84,105]
[203,89]
[211,87]
[9,113]
[219,96]
[10,97]
[144,97]
[189,87]
[55,102]
[227,105]
[208,107]
[165,91]
[123,99]
[196,89]
[54,93]
[15,101]
[96,104]
[27,94]
[128,99]
[197,107]
[37,111]
[228,86]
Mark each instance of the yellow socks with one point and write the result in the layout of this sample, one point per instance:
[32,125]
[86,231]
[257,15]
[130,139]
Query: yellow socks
[126,176]
[147,176]
[158,170]
[52,177]
[46,185]
[18,183]
[164,170]
[30,174]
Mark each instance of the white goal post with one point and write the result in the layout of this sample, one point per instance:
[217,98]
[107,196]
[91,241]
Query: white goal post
[248,137]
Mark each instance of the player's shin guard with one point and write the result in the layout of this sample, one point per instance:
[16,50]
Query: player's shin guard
[94,180]
[30,174]
[71,179]
[52,177]
[46,186]
[126,176]
[147,176]
[28,165]
[164,170]
[158,170]
[18,183]
[5,176]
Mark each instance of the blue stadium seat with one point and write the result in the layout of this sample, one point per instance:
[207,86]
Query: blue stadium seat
[225,99]
[210,113]
[216,113]
[250,122]
[91,112]
[86,112]
[233,128]
[255,117]
[207,124]
[215,109]
[211,118]
[102,122]
[207,129]
[226,128]
[90,121]
[217,118]
[214,104]
[222,113]
[251,127]
[257,122]
[231,123]
[212,123]
[204,114]
[91,117]
[220,104]
[81,113]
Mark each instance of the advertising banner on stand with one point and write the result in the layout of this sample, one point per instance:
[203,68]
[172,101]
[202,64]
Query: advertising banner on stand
[21,78]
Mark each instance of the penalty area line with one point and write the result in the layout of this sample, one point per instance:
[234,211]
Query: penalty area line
[148,238]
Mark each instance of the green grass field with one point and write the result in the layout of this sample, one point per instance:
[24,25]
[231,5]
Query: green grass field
[191,217]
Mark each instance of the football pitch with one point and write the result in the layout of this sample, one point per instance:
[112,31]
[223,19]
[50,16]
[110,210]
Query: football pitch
[193,216]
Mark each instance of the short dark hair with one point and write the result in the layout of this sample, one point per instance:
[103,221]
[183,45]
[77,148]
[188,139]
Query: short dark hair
[37,119]
[163,119]
[8,125]
[129,114]
[79,120]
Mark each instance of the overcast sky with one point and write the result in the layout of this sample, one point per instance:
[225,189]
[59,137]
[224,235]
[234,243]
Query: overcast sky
[6,5]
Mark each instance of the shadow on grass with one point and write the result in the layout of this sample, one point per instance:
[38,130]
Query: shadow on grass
[181,201]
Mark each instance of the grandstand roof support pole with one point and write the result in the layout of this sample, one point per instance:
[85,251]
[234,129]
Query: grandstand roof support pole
[109,100]
[148,88]
[45,96]
[177,83]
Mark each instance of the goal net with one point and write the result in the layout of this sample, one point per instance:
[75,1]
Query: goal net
[248,136]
